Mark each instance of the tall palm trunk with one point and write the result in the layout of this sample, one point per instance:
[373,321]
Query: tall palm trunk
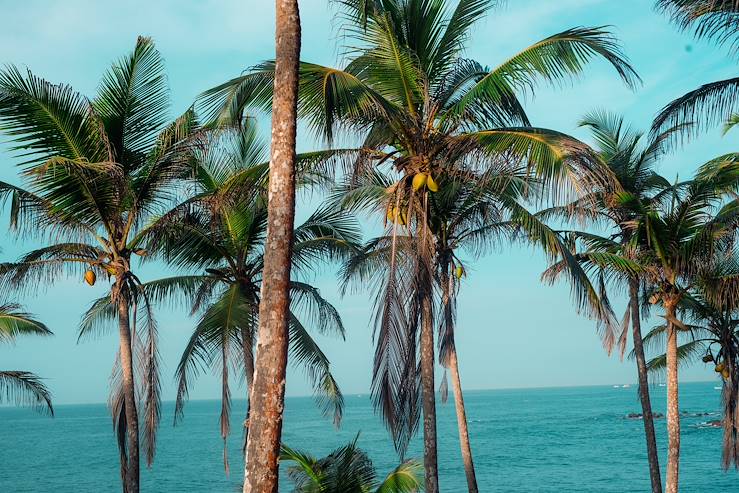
[730,393]
[673,410]
[246,346]
[464,437]
[428,398]
[268,393]
[646,405]
[129,397]
[450,361]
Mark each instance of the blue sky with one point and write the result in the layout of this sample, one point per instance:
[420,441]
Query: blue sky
[513,331]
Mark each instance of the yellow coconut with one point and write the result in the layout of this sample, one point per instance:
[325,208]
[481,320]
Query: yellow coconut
[431,184]
[720,367]
[401,217]
[459,272]
[395,215]
[725,373]
[90,277]
[419,181]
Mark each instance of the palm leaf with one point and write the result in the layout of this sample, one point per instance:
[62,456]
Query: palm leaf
[132,102]
[25,389]
[14,322]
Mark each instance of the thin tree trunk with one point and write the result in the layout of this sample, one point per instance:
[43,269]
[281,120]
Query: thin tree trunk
[464,437]
[450,361]
[268,393]
[673,410]
[429,398]
[247,345]
[646,405]
[129,397]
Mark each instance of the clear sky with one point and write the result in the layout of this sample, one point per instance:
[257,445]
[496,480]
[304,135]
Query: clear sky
[513,331]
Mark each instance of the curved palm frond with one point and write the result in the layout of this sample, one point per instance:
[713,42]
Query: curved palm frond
[555,59]
[25,389]
[710,104]
[14,322]
[717,20]
[306,354]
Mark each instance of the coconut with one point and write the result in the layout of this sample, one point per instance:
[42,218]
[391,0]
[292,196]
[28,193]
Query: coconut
[419,181]
[707,358]
[431,184]
[459,272]
[396,215]
[720,367]
[725,373]
[90,277]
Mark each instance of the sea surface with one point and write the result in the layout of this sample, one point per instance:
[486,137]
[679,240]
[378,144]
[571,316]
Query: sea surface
[526,440]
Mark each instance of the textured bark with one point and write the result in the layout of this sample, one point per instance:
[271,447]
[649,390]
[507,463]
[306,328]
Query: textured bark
[646,405]
[673,410]
[132,419]
[464,437]
[268,393]
[429,399]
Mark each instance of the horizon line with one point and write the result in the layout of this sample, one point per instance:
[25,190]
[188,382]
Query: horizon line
[360,394]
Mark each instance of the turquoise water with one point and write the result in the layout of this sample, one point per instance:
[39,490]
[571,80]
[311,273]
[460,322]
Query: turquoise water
[548,440]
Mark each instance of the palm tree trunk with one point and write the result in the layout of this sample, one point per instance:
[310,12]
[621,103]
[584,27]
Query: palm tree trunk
[730,390]
[129,397]
[464,437]
[673,410]
[450,361]
[268,393]
[646,405]
[246,346]
[428,398]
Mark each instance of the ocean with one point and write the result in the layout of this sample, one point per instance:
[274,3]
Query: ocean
[577,439]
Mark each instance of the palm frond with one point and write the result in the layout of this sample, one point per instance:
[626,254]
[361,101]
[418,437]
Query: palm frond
[45,120]
[25,389]
[717,20]
[711,104]
[15,322]
[132,103]
[555,59]
[306,355]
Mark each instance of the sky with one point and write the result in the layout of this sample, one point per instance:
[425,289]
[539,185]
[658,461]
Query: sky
[513,331]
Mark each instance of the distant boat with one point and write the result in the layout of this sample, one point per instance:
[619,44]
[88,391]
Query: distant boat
[717,388]
[663,385]
[616,386]
[626,386]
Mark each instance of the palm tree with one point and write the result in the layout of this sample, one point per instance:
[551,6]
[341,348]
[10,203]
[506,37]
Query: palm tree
[22,387]
[714,103]
[471,213]
[347,470]
[261,473]
[421,107]
[96,170]
[632,157]
[670,242]
[219,229]
[711,332]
